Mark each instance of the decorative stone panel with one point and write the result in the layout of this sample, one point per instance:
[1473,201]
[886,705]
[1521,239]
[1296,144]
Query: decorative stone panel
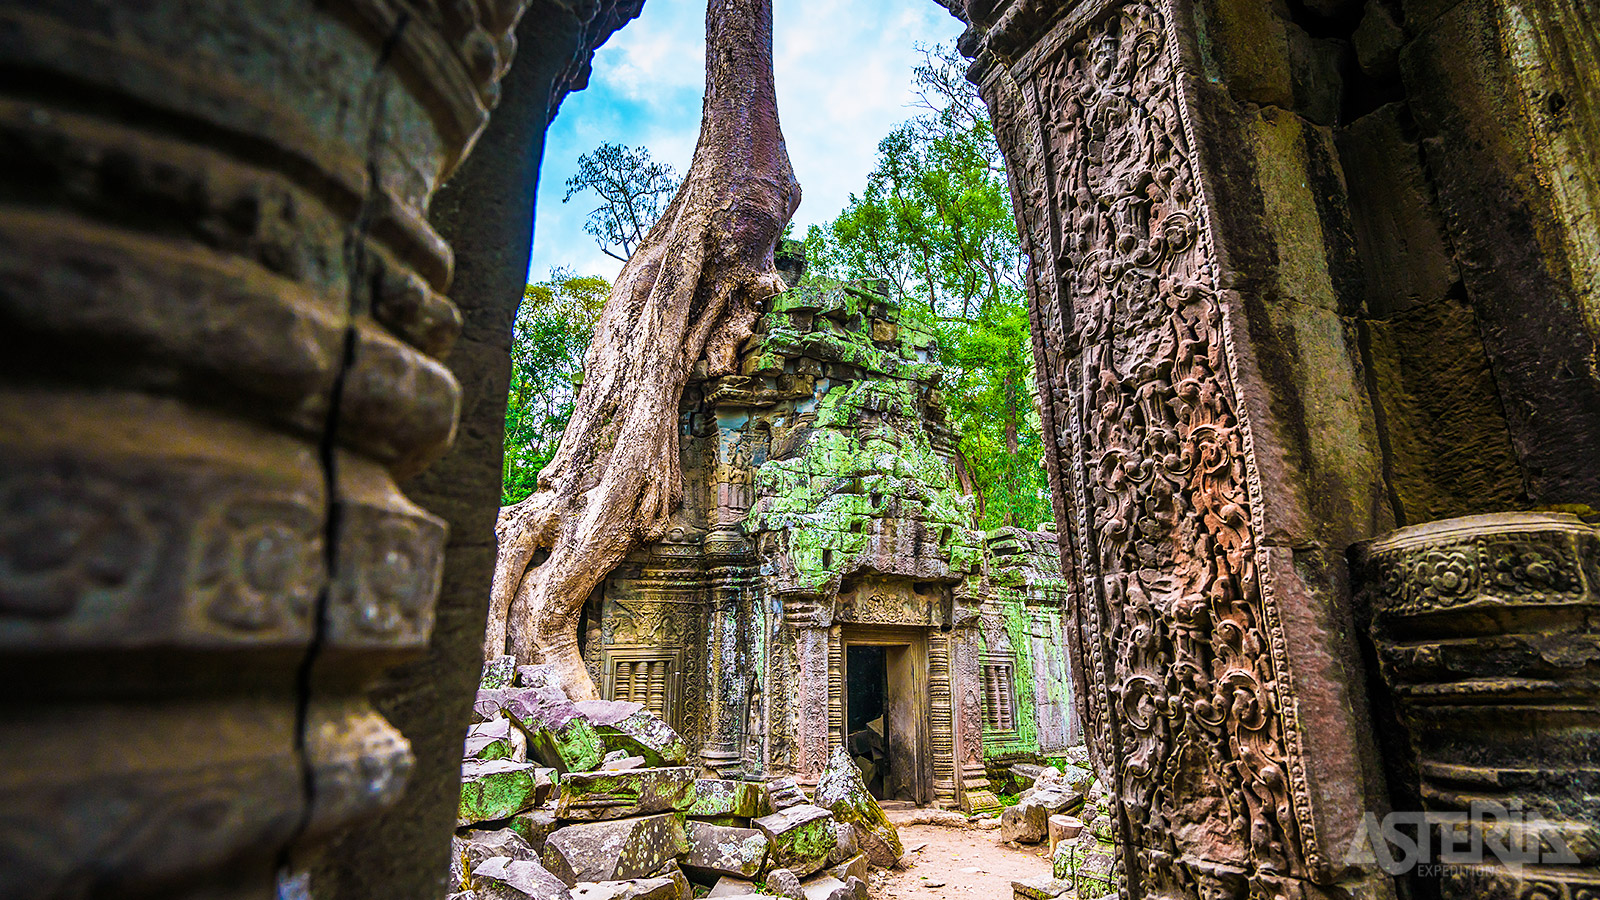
[1487,631]
[222,325]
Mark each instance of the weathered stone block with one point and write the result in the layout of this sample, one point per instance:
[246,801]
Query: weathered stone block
[721,797]
[588,796]
[558,734]
[632,889]
[1042,888]
[495,789]
[845,843]
[498,673]
[718,850]
[801,837]
[535,826]
[1025,823]
[785,883]
[525,876]
[855,865]
[841,792]
[737,887]
[634,729]
[496,739]
[1063,828]
[783,793]
[616,849]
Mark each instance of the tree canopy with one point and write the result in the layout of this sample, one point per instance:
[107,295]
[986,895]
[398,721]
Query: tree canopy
[935,224]
[554,326]
[633,191]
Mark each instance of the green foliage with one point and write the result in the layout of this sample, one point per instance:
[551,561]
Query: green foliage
[935,227]
[634,191]
[551,336]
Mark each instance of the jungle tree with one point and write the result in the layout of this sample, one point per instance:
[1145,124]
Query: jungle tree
[691,290]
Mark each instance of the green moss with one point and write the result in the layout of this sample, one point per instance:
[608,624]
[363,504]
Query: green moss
[868,458]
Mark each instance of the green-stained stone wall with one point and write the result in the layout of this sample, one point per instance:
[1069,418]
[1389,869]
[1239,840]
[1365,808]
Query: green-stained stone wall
[822,498]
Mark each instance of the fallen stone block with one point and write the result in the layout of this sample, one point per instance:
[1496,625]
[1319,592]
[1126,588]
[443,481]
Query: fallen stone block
[845,844]
[737,887]
[496,739]
[841,792]
[714,797]
[558,734]
[525,876]
[588,796]
[468,850]
[1041,888]
[495,789]
[615,849]
[1025,823]
[853,889]
[632,889]
[715,850]
[785,883]
[498,673]
[1063,828]
[535,826]
[800,838]
[632,728]
[783,793]
[854,866]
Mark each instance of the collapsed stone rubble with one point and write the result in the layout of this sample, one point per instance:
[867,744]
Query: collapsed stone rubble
[592,800]
[1071,809]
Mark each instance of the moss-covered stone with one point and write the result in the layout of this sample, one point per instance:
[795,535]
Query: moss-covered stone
[495,789]
[721,797]
[800,837]
[588,796]
[841,792]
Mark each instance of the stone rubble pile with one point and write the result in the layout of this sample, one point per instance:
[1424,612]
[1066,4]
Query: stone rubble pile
[594,800]
[1072,810]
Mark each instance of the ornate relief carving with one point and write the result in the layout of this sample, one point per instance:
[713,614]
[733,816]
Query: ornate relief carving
[1187,661]
[1484,628]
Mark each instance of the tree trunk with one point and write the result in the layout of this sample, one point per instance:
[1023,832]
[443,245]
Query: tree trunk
[692,289]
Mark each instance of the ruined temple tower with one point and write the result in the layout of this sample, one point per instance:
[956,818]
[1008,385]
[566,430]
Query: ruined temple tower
[823,584]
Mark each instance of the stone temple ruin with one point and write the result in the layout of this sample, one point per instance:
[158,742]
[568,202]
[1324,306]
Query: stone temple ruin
[1313,291]
[822,584]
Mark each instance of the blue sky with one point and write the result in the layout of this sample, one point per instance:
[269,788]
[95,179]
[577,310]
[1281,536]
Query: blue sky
[844,80]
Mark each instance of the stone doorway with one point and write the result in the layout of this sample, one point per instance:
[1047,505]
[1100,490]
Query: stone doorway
[885,711]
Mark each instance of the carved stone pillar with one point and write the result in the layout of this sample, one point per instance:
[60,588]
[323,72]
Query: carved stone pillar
[222,322]
[1486,633]
[812,690]
[962,677]
[1212,447]
[731,660]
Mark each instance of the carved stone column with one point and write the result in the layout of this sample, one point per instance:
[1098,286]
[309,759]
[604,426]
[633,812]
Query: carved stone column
[1212,447]
[222,322]
[1487,630]
[731,660]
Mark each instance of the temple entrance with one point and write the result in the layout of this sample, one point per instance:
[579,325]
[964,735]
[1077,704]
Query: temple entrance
[885,711]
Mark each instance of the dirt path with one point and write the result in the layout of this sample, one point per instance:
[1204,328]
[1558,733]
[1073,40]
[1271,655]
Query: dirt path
[964,863]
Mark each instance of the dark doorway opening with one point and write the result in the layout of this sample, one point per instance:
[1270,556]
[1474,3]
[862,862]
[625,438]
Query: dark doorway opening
[867,734]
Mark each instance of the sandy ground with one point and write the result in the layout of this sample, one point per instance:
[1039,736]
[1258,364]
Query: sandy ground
[964,863]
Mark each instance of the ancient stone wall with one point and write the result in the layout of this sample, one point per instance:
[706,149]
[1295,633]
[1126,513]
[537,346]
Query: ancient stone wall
[822,509]
[1283,262]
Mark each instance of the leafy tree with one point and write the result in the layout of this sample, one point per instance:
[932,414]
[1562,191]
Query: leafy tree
[551,336]
[633,190]
[935,223]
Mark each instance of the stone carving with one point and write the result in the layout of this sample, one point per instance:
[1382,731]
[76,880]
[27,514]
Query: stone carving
[1186,660]
[1483,627]
[225,317]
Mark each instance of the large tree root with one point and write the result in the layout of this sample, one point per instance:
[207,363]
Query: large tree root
[692,290]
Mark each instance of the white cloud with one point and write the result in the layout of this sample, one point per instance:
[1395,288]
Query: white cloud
[843,72]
